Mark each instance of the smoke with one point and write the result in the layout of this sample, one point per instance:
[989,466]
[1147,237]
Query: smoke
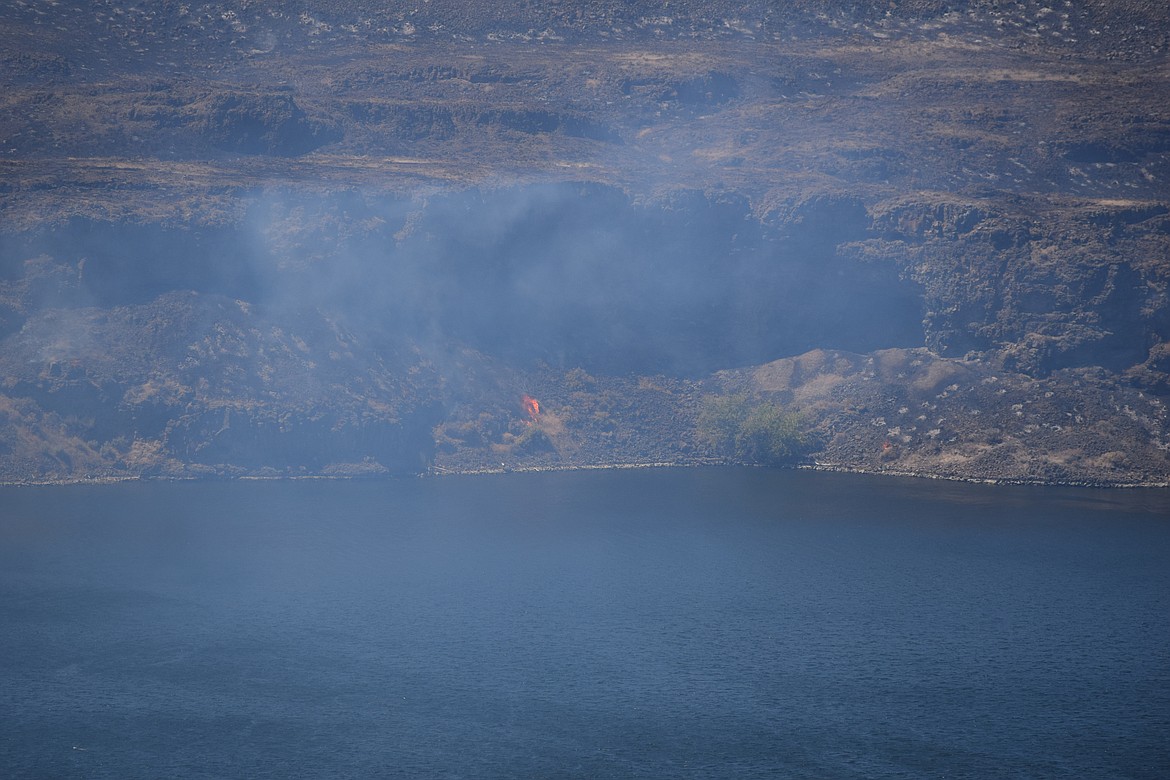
[563,275]
[578,275]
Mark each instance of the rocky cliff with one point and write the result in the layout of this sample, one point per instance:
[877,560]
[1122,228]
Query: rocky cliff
[345,239]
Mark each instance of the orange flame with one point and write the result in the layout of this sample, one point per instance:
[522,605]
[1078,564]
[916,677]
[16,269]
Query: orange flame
[532,406]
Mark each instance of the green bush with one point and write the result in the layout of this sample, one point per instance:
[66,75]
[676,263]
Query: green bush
[749,429]
[719,422]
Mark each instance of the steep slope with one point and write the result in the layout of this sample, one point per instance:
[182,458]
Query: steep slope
[242,239]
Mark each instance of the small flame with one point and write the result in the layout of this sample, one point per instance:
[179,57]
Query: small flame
[532,406]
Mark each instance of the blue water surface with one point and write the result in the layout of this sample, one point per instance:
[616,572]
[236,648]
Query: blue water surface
[724,623]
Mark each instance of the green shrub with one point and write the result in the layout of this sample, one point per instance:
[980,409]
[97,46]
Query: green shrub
[749,429]
[719,422]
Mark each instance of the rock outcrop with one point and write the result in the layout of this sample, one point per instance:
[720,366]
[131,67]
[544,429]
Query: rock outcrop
[238,240]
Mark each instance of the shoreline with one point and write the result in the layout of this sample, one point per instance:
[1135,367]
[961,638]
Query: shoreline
[440,472]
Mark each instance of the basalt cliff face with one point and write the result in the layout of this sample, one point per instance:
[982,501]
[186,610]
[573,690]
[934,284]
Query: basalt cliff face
[239,239]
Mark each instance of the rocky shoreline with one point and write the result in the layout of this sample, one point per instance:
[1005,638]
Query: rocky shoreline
[899,412]
[440,473]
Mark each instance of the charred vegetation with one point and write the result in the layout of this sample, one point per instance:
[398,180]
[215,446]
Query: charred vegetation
[348,239]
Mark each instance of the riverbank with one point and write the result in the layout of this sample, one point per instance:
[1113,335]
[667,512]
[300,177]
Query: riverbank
[903,412]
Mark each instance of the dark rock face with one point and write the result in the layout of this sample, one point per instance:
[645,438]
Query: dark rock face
[257,124]
[242,351]
[346,239]
[1036,294]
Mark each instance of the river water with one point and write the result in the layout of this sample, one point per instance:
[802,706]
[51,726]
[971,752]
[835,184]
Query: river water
[724,623]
